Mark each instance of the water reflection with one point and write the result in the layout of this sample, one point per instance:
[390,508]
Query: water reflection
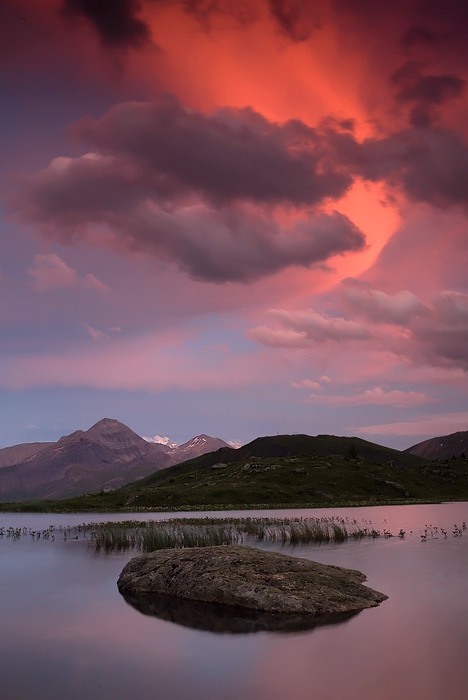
[222,619]
[67,633]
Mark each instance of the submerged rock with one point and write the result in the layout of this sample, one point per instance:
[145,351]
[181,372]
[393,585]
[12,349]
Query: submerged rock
[244,578]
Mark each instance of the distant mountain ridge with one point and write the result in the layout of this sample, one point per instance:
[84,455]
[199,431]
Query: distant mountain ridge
[443,447]
[280,470]
[106,456]
[17,453]
[197,446]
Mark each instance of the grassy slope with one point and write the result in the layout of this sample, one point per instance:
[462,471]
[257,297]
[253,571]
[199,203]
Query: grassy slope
[288,446]
[298,480]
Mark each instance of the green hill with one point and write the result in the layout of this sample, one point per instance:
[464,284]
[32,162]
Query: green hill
[278,446]
[286,470]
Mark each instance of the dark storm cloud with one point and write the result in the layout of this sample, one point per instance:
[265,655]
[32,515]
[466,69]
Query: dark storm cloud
[431,165]
[297,19]
[231,154]
[294,17]
[422,22]
[116,21]
[424,91]
[202,191]
[428,29]
[424,13]
[428,164]
[243,11]
[416,34]
[238,244]
[430,89]
[438,15]
[235,242]
[162,150]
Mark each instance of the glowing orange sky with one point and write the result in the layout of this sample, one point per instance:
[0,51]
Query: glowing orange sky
[333,66]
[258,66]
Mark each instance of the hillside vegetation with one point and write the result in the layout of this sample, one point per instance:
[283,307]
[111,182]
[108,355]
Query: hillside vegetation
[269,479]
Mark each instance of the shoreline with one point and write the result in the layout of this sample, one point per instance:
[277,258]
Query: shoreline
[35,507]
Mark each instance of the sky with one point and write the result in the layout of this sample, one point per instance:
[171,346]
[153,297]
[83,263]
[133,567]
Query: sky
[234,218]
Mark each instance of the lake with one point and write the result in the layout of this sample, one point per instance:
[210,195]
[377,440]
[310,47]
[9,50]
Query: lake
[67,634]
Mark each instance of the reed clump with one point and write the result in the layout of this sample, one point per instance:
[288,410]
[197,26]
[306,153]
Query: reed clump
[204,532]
[152,535]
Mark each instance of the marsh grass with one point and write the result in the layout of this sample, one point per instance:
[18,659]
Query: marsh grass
[204,532]
[150,535]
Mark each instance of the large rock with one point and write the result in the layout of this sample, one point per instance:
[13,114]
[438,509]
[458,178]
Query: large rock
[249,579]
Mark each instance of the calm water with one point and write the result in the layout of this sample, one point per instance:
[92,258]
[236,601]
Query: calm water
[66,633]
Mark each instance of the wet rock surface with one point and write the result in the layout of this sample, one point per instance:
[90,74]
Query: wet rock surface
[241,578]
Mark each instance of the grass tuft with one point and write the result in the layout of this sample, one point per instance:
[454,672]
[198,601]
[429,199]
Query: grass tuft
[203,532]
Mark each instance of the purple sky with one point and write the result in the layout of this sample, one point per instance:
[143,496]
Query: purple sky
[240,218]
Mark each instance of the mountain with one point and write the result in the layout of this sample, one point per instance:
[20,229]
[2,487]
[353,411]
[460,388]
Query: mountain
[199,445]
[107,456]
[286,470]
[443,447]
[15,454]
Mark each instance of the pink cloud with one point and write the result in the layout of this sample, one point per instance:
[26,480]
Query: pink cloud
[95,333]
[90,281]
[306,384]
[429,237]
[281,338]
[305,327]
[151,363]
[435,334]
[435,425]
[442,336]
[50,272]
[375,397]
[380,307]
[452,307]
